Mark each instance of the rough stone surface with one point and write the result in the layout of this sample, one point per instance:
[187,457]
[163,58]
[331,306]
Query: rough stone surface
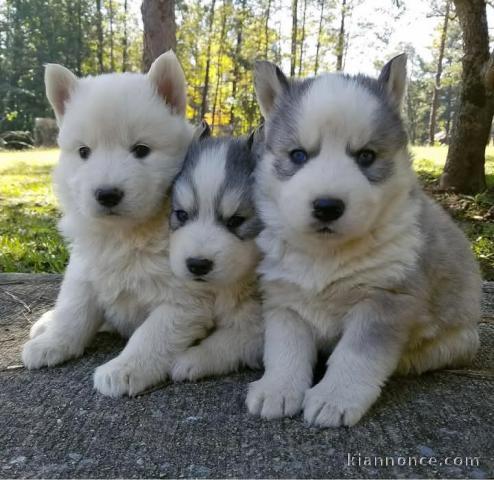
[52,424]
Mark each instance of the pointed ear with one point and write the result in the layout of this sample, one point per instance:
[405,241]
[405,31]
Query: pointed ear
[202,131]
[269,82]
[167,76]
[60,82]
[394,79]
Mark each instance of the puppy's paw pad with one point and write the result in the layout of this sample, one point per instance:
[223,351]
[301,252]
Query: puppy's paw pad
[118,377]
[46,351]
[270,399]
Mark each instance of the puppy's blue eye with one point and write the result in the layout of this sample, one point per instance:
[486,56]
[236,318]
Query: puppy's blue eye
[234,222]
[84,152]
[140,150]
[182,215]
[299,156]
[365,158]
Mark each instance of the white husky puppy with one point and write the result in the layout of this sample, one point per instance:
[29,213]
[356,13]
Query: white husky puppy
[212,249]
[358,261]
[123,139]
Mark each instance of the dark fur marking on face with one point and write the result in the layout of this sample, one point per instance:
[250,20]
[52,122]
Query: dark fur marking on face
[185,180]
[281,128]
[387,138]
[241,158]
[380,170]
[239,177]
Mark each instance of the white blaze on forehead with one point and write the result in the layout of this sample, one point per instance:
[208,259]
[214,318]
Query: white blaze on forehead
[339,108]
[209,176]
[184,195]
[230,202]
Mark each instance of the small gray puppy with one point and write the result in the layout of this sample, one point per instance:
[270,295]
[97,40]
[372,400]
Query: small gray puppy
[358,262]
[213,251]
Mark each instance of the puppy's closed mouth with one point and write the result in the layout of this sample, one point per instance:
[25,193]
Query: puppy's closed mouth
[325,230]
[110,212]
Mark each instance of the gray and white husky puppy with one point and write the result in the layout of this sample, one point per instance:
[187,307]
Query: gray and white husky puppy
[358,261]
[213,251]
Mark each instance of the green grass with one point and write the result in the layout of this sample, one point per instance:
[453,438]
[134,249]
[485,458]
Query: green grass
[429,162]
[475,214]
[29,241]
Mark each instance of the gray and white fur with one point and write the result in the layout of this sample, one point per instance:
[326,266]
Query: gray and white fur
[212,249]
[358,262]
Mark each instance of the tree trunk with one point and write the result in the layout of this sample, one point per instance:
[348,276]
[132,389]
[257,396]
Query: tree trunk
[217,92]
[99,28]
[236,63]
[158,18]
[340,48]
[319,33]
[302,40]
[412,124]
[79,39]
[112,56]
[439,72]
[266,29]
[277,53]
[449,113]
[293,59]
[464,170]
[205,88]
[125,40]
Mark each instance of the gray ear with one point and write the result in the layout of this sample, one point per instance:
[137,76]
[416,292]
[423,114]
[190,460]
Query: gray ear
[202,131]
[394,78]
[60,83]
[269,82]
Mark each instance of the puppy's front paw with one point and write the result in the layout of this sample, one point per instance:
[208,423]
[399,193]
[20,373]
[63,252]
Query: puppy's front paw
[122,377]
[41,324]
[190,365]
[47,350]
[270,398]
[335,406]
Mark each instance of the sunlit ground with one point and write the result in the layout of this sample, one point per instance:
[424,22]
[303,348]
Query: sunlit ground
[431,161]
[29,241]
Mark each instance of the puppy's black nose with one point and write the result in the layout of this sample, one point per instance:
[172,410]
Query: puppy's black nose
[108,196]
[199,266]
[328,209]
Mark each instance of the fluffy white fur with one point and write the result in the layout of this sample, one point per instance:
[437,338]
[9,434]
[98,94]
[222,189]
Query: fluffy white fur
[394,287]
[119,269]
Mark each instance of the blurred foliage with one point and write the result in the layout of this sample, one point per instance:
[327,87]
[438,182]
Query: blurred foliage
[89,40]
[35,32]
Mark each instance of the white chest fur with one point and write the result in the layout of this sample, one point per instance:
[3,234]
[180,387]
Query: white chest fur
[130,272]
[323,286]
